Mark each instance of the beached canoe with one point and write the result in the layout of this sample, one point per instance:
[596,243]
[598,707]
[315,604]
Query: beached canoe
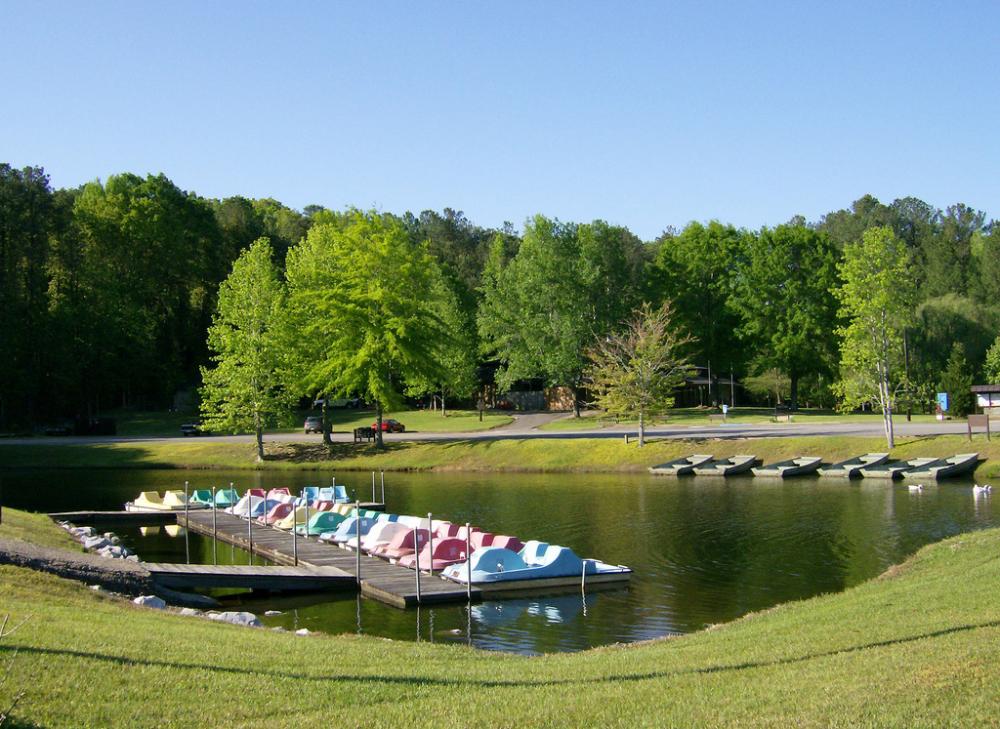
[851,468]
[727,466]
[895,469]
[680,466]
[945,467]
[792,467]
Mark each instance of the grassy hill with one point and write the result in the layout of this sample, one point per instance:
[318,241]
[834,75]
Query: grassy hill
[915,647]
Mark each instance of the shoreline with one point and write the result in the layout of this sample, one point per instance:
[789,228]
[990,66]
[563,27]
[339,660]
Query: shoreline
[529,455]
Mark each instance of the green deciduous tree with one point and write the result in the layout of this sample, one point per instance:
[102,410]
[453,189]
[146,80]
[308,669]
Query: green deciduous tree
[535,314]
[784,296]
[991,368]
[25,224]
[362,299]
[956,380]
[769,382]
[244,391]
[635,372]
[697,270]
[876,299]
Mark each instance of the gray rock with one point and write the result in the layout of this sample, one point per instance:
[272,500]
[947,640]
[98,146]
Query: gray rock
[133,558]
[303,631]
[237,618]
[272,613]
[190,611]
[83,531]
[110,536]
[94,543]
[95,588]
[150,601]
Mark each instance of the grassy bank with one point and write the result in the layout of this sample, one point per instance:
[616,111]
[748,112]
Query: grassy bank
[915,647]
[539,455]
[736,416]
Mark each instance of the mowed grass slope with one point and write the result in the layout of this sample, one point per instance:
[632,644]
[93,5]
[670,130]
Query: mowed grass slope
[527,455]
[916,647]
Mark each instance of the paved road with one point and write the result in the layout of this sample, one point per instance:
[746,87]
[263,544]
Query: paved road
[525,426]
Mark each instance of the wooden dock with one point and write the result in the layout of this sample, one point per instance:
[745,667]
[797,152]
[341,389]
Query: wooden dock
[139,518]
[380,580]
[271,579]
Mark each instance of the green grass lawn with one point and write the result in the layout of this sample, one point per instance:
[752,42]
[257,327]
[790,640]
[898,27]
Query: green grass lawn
[531,455]
[915,647]
[134,423]
[740,416]
[423,421]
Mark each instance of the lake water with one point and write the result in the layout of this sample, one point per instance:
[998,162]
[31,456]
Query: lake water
[704,551]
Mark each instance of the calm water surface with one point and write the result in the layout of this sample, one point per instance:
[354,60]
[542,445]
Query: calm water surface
[704,551]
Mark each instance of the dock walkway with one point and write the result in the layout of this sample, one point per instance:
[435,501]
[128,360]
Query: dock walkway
[380,580]
[276,579]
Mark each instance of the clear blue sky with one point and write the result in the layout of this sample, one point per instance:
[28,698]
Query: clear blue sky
[647,115]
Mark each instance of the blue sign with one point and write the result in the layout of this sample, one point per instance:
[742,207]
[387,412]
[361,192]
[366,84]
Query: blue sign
[942,401]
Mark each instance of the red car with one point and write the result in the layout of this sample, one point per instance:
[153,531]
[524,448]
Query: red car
[390,426]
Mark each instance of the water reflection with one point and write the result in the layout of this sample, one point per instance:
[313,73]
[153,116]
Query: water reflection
[704,551]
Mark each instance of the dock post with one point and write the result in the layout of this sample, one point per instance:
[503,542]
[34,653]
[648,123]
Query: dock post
[357,532]
[417,570]
[187,522]
[295,536]
[305,534]
[250,524]
[373,486]
[468,564]
[215,529]
[383,488]
[583,578]
[430,543]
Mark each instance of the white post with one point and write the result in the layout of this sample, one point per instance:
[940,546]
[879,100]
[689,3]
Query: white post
[373,486]
[295,536]
[187,522]
[215,529]
[468,563]
[250,524]
[357,531]
[383,488]
[417,570]
[583,578]
[430,543]
[306,500]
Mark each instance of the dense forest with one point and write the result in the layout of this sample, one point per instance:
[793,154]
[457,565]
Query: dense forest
[107,292]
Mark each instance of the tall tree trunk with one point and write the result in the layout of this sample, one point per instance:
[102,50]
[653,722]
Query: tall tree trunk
[576,402]
[793,390]
[258,426]
[379,443]
[327,440]
[642,428]
[444,408]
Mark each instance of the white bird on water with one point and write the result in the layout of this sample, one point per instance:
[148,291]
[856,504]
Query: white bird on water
[916,487]
[984,490]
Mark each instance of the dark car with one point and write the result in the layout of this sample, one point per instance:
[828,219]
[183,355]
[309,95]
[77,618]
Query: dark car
[188,429]
[313,424]
[390,426]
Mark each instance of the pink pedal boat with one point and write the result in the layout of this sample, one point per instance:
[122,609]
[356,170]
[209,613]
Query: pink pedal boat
[407,542]
[449,550]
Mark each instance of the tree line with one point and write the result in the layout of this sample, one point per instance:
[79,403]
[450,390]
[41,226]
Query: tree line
[108,292]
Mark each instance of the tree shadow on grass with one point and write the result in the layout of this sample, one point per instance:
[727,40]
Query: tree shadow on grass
[416,680]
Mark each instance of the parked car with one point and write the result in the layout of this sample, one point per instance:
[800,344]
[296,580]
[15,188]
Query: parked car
[188,429]
[390,426]
[313,424]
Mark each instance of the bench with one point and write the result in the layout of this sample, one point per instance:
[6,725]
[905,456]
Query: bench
[364,434]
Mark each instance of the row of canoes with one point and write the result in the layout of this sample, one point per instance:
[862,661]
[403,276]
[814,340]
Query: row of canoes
[870,465]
